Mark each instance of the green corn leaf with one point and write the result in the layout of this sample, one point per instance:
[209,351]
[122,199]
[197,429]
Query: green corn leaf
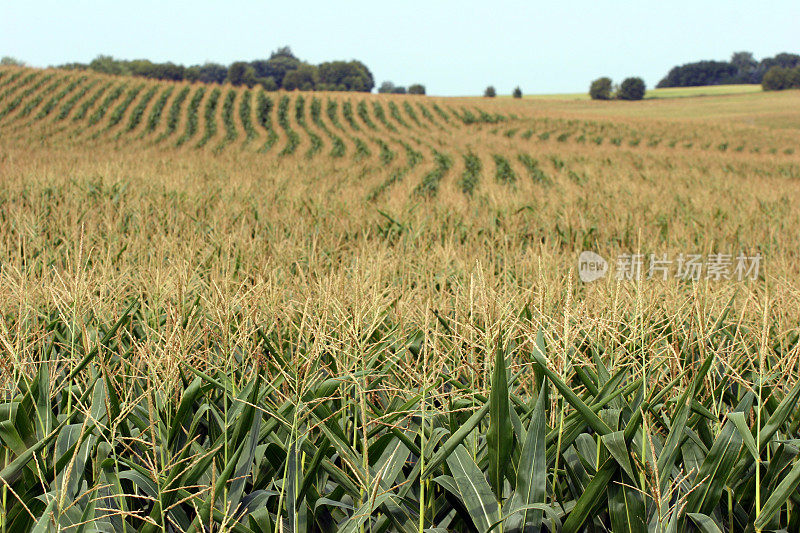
[500,436]
[475,492]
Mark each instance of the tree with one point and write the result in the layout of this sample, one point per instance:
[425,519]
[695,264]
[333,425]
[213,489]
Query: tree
[600,89]
[517,93]
[490,92]
[268,83]
[207,73]
[237,72]
[8,61]
[352,75]
[304,78]
[631,89]
[416,88]
[745,65]
[386,87]
[776,79]
[399,89]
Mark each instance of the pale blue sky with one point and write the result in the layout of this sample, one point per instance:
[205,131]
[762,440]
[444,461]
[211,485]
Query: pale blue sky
[453,47]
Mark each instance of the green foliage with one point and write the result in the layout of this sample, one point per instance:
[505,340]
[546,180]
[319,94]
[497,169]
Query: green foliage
[37,99]
[471,177]
[12,106]
[263,117]
[245,116]
[138,111]
[300,118]
[102,109]
[600,89]
[533,168]
[345,76]
[631,89]
[779,78]
[364,115]
[517,92]
[210,117]
[305,78]
[412,114]
[154,119]
[83,109]
[377,109]
[429,186]
[416,88]
[119,112]
[490,92]
[394,111]
[315,110]
[174,116]
[503,171]
[228,107]
[53,102]
[293,139]
[191,116]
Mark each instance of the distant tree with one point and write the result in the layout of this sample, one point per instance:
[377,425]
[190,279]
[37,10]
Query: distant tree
[745,65]
[8,61]
[600,89]
[304,78]
[793,78]
[776,79]
[490,92]
[207,73]
[352,75]
[268,83]
[109,65]
[399,89]
[700,73]
[386,87]
[237,72]
[631,89]
[416,88]
[517,92]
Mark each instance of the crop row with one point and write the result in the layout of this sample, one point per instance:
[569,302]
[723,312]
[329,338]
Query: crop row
[210,117]
[154,118]
[263,115]
[191,117]
[48,107]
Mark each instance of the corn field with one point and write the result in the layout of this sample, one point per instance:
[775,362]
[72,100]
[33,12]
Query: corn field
[223,309]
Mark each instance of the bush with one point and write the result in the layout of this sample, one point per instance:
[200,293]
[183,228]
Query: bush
[490,92]
[631,89]
[517,93]
[600,89]
[779,78]
[416,88]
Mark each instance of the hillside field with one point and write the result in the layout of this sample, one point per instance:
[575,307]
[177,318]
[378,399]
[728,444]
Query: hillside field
[224,309]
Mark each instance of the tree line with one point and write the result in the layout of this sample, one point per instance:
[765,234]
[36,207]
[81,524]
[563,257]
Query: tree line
[742,68]
[282,70]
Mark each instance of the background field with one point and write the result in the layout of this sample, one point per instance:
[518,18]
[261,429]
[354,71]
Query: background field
[238,310]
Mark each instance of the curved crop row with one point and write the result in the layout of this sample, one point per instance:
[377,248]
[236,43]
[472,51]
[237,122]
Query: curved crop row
[191,117]
[413,114]
[154,118]
[394,111]
[37,99]
[362,150]
[293,139]
[68,106]
[119,112]
[138,111]
[210,116]
[472,173]
[532,166]
[363,114]
[15,103]
[11,79]
[300,118]
[386,154]
[338,149]
[102,109]
[263,115]
[441,112]
[413,158]
[503,171]
[377,109]
[14,87]
[228,107]
[429,186]
[427,114]
[53,102]
[174,116]
[245,115]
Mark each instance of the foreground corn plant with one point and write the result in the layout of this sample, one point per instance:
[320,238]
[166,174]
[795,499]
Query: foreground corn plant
[95,445]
